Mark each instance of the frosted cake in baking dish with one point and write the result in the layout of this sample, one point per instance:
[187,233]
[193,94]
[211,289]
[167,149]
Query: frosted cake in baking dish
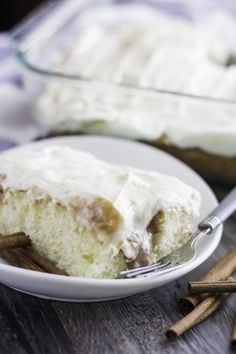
[138,47]
[91,218]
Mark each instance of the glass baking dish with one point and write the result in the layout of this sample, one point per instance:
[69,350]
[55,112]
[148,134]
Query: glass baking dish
[90,104]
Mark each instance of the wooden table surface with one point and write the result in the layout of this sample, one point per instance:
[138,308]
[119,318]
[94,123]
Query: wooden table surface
[132,325]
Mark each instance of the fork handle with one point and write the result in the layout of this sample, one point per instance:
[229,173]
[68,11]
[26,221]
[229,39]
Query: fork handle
[221,213]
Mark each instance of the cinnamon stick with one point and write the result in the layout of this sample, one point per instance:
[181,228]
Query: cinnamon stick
[14,241]
[233,338]
[224,268]
[199,314]
[26,258]
[17,259]
[43,262]
[199,287]
[20,233]
[9,258]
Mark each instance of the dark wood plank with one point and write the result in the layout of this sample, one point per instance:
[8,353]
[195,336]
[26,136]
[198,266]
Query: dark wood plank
[132,325]
[33,325]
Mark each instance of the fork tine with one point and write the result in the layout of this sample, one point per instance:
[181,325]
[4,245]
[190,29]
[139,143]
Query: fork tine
[158,272]
[129,271]
[144,270]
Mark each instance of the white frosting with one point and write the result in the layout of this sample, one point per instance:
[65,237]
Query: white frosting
[65,173]
[135,45]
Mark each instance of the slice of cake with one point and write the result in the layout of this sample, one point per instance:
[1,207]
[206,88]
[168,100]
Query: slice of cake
[92,218]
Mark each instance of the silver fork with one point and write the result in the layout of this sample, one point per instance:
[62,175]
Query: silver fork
[188,252]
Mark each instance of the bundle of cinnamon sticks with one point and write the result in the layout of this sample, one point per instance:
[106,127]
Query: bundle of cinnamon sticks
[16,250]
[206,296]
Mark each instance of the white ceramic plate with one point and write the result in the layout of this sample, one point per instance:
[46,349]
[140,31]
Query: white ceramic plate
[121,152]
